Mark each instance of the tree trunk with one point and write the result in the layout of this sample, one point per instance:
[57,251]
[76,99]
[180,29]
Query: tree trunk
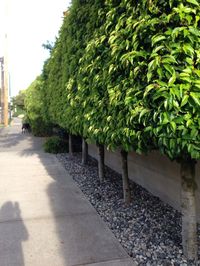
[189,222]
[101,162]
[70,145]
[84,151]
[125,179]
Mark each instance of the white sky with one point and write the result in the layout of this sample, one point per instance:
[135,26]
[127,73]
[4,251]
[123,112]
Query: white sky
[29,23]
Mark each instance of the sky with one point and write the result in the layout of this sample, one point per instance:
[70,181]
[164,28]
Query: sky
[28,24]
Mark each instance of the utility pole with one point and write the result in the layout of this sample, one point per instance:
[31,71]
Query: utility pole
[2,89]
[5,69]
[6,80]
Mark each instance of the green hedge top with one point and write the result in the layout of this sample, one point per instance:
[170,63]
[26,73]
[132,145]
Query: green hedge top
[62,68]
[140,86]
[126,74]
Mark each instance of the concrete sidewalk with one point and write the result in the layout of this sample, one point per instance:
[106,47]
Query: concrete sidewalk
[45,220]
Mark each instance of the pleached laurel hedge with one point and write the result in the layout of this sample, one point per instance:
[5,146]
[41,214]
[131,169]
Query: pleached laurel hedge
[35,107]
[140,78]
[61,70]
[126,74]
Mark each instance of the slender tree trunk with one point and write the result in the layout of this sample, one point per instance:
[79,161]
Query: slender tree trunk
[125,179]
[70,145]
[101,162]
[189,222]
[84,151]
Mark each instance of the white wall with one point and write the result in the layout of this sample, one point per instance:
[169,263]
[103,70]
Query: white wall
[155,172]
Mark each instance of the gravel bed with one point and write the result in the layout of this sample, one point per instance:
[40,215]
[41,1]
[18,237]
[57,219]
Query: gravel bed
[148,229]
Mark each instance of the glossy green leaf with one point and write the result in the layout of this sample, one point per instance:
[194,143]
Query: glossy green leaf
[194,2]
[158,38]
[184,100]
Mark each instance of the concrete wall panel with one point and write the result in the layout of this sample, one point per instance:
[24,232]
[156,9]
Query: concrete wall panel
[154,172]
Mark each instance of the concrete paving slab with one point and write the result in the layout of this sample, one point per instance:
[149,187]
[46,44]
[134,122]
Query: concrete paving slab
[53,171]
[20,142]
[76,240]
[36,158]
[33,180]
[57,201]
[45,220]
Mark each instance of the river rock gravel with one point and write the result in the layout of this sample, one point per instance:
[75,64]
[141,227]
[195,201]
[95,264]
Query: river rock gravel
[147,228]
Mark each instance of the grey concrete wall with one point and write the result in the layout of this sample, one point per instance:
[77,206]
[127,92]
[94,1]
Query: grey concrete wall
[155,172]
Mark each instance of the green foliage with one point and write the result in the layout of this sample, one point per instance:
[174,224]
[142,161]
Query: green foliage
[48,46]
[55,144]
[172,72]
[18,100]
[40,128]
[62,67]
[18,112]
[112,97]
[140,80]
[25,119]
[127,74]
[35,109]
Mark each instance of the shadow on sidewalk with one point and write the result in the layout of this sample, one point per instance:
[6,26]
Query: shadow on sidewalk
[11,140]
[15,140]
[12,137]
[12,233]
[78,240]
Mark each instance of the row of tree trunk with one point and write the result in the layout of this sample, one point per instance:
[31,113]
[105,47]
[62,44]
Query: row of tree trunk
[101,165]
[188,187]
[188,206]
